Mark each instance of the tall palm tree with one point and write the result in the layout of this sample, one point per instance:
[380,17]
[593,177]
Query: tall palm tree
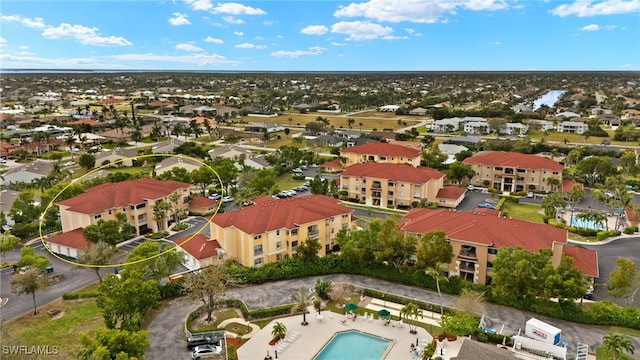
[302,298]
[160,212]
[616,344]
[437,273]
[411,311]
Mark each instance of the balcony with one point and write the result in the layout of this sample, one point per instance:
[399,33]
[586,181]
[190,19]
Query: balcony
[467,266]
[468,252]
[376,185]
[313,234]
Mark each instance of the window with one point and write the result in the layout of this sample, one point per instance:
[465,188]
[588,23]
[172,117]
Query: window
[492,251]
[277,232]
[345,215]
[97,216]
[109,211]
[256,237]
[294,245]
[532,178]
[185,200]
[257,250]
[278,257]
[278,245]
[294,231]
[257,261]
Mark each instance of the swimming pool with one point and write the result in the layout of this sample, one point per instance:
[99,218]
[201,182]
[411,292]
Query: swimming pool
[354,345]
[586,224]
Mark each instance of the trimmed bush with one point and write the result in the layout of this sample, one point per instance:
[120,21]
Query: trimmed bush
[630,230]
[80,295]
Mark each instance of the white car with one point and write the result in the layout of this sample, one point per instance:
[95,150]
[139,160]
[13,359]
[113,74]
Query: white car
[215,196]
[530,194]
[70,163]
[205,352]
[227,199]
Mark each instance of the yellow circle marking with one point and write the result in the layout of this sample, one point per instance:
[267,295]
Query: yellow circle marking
[52,202]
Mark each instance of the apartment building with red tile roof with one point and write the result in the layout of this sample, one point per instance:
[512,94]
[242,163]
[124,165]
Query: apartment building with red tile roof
[515,172]
[271,229]
[381,153]
[477,236]
[388,184]
[135,198]
[199,250]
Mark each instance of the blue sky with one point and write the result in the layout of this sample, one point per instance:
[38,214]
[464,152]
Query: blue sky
[327,35]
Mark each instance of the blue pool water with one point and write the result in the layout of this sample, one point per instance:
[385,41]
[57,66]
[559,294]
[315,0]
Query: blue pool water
[585,224]
[353,345]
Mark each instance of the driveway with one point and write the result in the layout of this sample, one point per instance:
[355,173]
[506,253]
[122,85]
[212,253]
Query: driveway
[166,331]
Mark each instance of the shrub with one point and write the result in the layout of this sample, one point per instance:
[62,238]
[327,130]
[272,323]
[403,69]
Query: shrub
[630,230]
[605,234]
[500,203]
[80,295]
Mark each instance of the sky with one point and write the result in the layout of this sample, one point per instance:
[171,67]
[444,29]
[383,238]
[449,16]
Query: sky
[321,35]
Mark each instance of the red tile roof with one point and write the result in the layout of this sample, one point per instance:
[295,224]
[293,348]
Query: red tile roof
[484,228]
[513,159]
[567,185]
[451,192]
[73,239]
[393,172]
[383,149]
[107,196]
[85,121]
[334,164]
[202,201]
[585,260]
[270,214]
[199,246]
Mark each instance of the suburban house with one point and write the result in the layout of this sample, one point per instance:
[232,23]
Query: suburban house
[454,124]
[232,152]
[262,127]
[167,164]
[68,244]
[477,236]
[543,125]
[166,147]
[574,127]
[199,251]
[381,153]
[333,166]
[203,206]
[135,198]
[27,173]
[123,157]
[418,111]
[451,151]
[515,129]
[514,172]
[393,185]
[476,127]
[271,229]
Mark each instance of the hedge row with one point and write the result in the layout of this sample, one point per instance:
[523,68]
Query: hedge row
[80,295]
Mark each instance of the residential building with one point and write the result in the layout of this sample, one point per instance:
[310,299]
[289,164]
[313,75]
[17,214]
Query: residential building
[543,125]
[166,147]
[26,173]
[574,127]
[135,198]
[451,150]
[391,185]
[203,206]
[515,129]
[118,157]
[169,163]
[271,229]
[514,172]
[476,127]
[233,152]
[381,153]
[68,244]
[477,236]
[199,251]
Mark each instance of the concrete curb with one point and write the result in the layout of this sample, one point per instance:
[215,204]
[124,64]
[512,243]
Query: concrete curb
[604,242]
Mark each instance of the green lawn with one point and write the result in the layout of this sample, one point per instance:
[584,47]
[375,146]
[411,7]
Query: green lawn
[601,354]
[286,182]
[63,332]
[527,212]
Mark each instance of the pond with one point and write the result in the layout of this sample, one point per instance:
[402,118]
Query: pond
[549,98]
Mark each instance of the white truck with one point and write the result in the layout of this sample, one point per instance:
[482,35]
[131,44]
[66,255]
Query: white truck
[541,331]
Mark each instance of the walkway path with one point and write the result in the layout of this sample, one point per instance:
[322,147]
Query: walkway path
[254,328]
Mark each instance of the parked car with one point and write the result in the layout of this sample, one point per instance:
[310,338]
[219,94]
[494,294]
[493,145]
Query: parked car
[247,203]
[215,196]
[227,199]
[205,351]
[70,163]
[201,340]
[487,206]
[529,194]
[470,187]
[589,294]
[297,170]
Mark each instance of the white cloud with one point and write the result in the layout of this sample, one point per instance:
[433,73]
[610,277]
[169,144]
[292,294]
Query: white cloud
[238,33]
[214,40]
[232,20]
[37,23]
[391,37]
[197,59]
[250,46]
[24,47]
[2,40]
[584,8]
[179,19]
[237,9]
[338,44]
[86,35]
[316,50]
[360,31]
[199,4]
[495,43]
[410,30]
[22,60]
[315,30]
[590,27]
[188,47]
[417,11]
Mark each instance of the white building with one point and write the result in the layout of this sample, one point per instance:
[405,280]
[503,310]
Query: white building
[516,129]
[573,127]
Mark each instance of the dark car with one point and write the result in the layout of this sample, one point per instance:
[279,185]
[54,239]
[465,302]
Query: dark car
[198,340]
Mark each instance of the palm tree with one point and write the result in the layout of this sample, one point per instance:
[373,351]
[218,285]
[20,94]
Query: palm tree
[553,182]
[350,122]
[302,298]
[437,273]
[159,213]
[279,330]
[616,344]
[411,311]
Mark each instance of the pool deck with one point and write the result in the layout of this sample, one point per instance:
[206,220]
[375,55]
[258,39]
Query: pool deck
[611,220]
[310,339]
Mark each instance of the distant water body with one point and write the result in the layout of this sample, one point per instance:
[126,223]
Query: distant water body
[549,99]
